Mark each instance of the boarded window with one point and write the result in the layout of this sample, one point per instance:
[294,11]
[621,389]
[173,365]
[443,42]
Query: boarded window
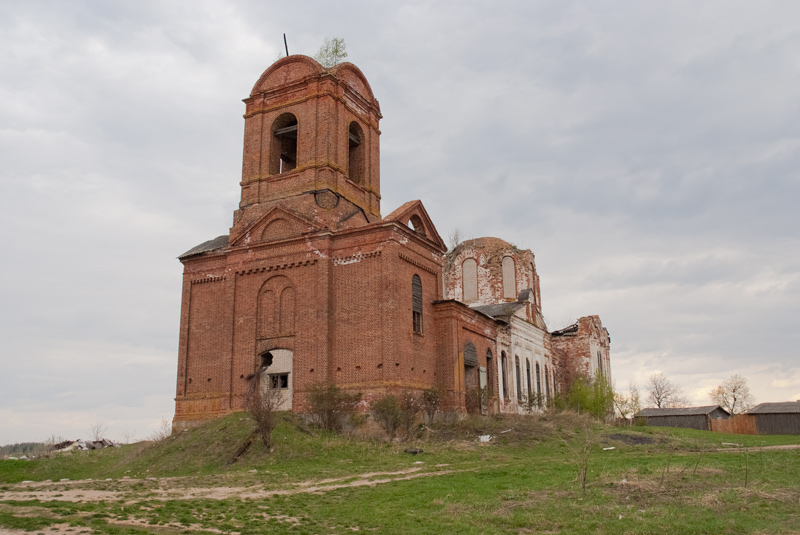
[416,303]
[469,274]
[470,355]
[509,278]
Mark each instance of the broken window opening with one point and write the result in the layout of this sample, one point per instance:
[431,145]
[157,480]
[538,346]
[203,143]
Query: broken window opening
[266,360]
[283,153]
[356,161]
[279,381]
[519,378]
[416,304]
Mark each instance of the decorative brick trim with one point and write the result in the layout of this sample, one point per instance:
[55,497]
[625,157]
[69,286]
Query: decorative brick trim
[277,267]
[205,280]
[354,259]
[418,264]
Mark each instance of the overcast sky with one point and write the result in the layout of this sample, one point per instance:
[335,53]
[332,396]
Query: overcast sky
[648,153]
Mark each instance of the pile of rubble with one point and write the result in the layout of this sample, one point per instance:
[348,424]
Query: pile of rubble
[70,445]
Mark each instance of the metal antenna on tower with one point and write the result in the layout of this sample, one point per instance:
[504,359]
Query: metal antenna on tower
[285,45]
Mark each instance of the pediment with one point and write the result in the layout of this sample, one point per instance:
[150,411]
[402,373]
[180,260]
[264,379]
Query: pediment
[277,224]
[414,216]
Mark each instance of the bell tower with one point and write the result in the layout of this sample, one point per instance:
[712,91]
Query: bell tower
[311,145]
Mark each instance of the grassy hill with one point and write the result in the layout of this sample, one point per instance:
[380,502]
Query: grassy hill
[526,479]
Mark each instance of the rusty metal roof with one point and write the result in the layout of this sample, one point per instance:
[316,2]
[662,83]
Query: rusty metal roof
[680,411]
[572,329]
[220,242]
[785,407]
[499,310]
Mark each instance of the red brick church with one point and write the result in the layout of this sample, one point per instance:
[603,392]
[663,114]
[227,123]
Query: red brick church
[311,284]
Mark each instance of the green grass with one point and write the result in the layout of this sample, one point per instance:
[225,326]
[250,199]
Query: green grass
[654,481]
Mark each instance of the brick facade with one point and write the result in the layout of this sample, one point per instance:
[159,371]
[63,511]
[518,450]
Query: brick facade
[312,285]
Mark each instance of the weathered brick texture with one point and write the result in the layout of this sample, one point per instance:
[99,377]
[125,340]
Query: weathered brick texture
[312,282]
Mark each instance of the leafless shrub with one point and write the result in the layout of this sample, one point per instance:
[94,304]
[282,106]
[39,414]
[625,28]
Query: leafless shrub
[163,432]
[410,408]
[329,402]
[263,405]
[386,411]
[431,402]
[98,430]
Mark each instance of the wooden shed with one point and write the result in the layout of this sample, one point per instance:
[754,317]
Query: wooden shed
[777,418]
[689,417]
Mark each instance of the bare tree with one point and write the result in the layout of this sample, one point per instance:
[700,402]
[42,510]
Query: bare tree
[455,237]
[733,395]
[627,405]
[332,52]
[662,393]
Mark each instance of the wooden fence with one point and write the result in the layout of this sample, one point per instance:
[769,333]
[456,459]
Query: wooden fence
[740,424]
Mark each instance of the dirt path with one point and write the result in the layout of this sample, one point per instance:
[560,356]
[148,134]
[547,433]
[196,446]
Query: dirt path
[171,489]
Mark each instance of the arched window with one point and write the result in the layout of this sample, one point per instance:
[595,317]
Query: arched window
[509,278]
[538,385]
[519,378]
[528,375]
[356,160]
[283,148]
[469,276]
[416,303]
[503,377]
[489,373]
[470,355]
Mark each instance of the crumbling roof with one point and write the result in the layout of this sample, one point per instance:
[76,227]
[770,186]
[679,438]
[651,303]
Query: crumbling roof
[785,407]
[220,242]
[499,310]
[680,411]
[572,329]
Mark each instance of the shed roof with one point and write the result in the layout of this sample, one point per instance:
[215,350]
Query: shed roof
[220,242]
[785,407]
[680,411]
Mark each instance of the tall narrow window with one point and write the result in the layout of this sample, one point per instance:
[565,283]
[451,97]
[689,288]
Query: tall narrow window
[509,278]
[283,148]
[489,373]
[547,382]
[503,377]
[599,362]
[416,303]
[519,378]
[528,374]
[356,159]
[469,276]
[538,385]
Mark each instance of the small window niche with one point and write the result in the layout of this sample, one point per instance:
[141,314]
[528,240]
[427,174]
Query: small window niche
[357,153]
[283,151]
